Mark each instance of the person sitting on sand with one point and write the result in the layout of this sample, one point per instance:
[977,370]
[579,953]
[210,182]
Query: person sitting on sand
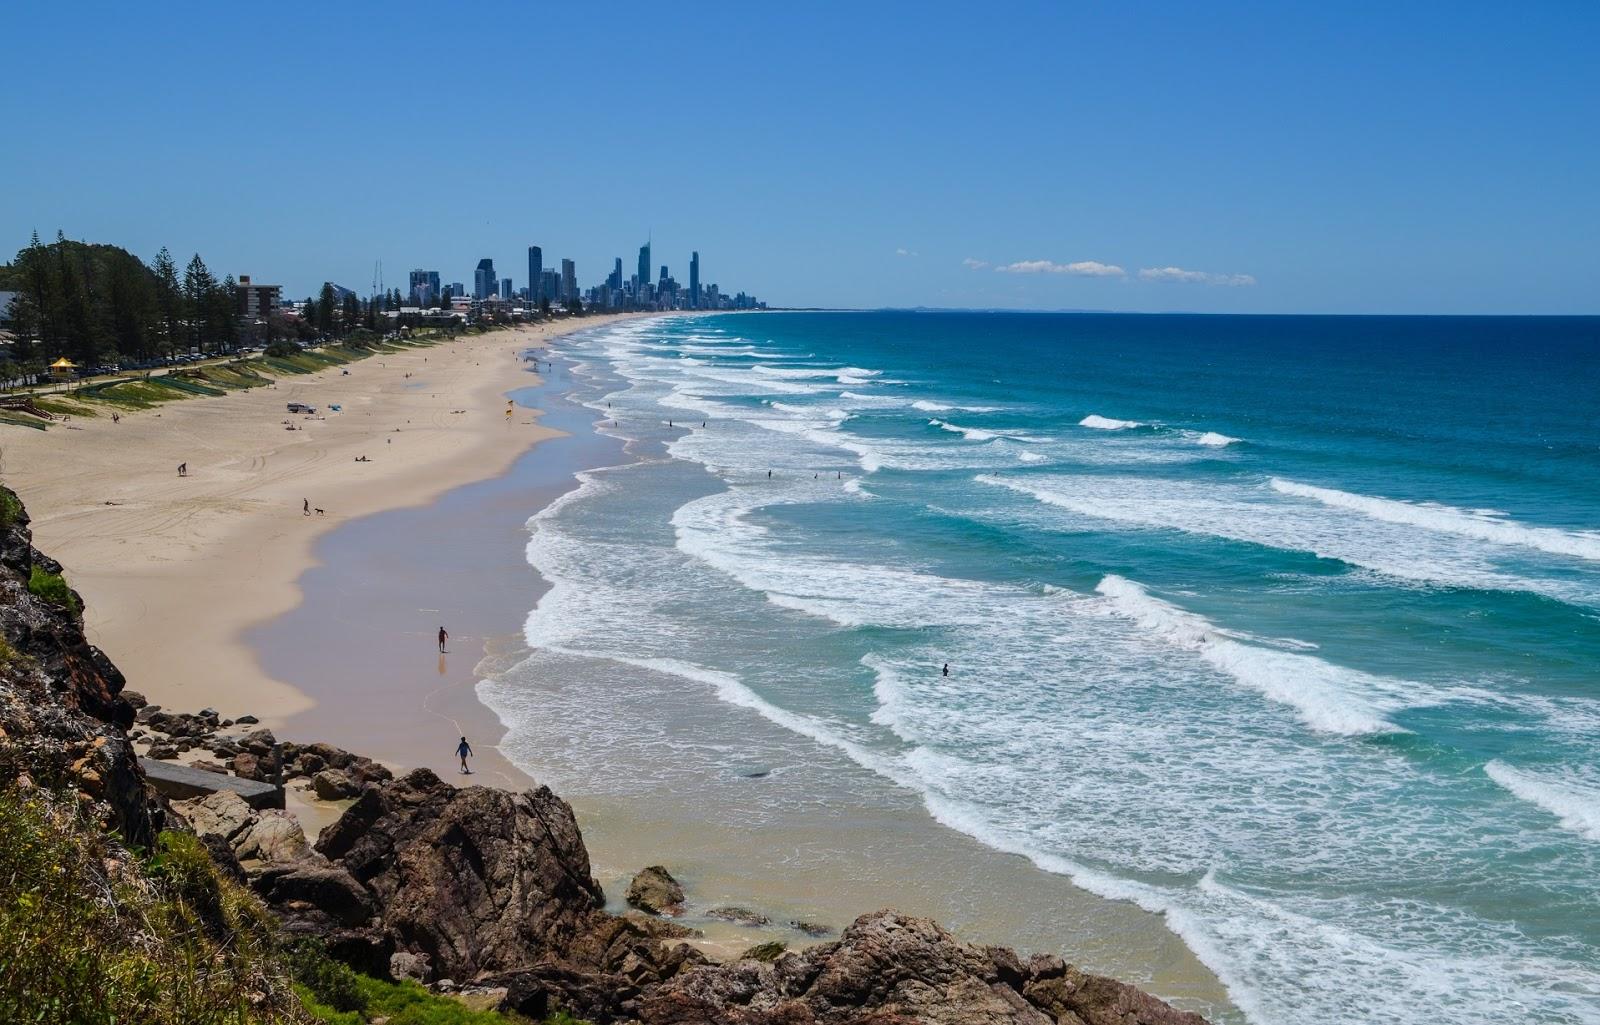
[444,635]
[463,752]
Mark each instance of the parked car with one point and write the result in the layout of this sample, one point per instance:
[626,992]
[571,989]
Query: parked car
[301,407]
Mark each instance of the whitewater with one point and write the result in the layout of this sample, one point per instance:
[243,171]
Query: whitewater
[1225,643]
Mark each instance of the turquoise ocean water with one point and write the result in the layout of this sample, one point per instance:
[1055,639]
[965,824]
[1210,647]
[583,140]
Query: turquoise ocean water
[1285,627]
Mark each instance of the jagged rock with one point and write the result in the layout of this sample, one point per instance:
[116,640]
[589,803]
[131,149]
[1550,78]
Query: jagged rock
[809,928]
[654,890]
[406,965]
[163,750]
[275,836]
[134,699]
[333,785]
[659,928]
[744,916]
[538,993]
[769,951]
[329,889]
[258,742]
[223,814]
[889,967]
[247,720]
[479,879]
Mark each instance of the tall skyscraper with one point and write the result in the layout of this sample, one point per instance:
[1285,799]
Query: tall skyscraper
[425,290]
[569,281]
[549,285]
[694,279]
[535,273]
[484,282]
[615,281]
[644,264]
[505,288]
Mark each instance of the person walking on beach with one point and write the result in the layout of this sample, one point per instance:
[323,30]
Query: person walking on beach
[444,635]
[463,752]
[183,469]
[305,507]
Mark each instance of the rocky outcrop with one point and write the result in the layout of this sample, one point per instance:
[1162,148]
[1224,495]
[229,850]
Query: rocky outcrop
[654,890]
[62,716]
[889,967]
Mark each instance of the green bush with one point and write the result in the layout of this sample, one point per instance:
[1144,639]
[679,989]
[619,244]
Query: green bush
[281,349]
[52,588]
[92,936]
[332,985]
[10,507]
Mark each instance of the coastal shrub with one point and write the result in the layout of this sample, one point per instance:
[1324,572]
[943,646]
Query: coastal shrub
[322,982]
[281,349]
[10,507]
[403,1003]
[52,588]
[90,934]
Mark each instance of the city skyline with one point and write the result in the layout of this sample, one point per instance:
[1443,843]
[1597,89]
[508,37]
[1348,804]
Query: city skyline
[1429,159]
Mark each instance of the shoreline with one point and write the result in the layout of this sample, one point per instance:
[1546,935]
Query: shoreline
[359,687]
[825,868]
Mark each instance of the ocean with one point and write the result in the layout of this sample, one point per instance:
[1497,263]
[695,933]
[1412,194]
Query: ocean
[1286,628]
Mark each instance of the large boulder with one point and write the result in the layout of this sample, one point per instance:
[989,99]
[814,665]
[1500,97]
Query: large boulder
[478,879]
[275,836]
[334,785]
[223,814]
[654,890]
[302,886]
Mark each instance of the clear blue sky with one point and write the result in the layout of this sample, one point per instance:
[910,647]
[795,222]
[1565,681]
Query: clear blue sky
[1417,157]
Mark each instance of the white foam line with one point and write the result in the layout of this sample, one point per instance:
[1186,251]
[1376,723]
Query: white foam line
[1326,696]
[1106,423]
[1450,520]
[1575,805]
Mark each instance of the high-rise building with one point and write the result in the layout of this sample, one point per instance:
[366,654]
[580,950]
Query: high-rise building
[425,290]
[505,289]
[549,285]
[569,281]
[614,282]
[535,272]
[251,300]
[458,289]
[484,280]
[644,264]
[694,279]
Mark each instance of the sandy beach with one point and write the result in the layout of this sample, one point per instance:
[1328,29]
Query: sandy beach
[174,570]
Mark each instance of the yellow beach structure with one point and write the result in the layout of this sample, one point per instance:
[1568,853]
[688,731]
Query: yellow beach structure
[63,369]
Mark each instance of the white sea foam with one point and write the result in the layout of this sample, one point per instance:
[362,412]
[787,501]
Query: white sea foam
[939,407]
[1105,423]
[1214,440]
[1574,802]
[970,433]
[1329,698]
[1583,544]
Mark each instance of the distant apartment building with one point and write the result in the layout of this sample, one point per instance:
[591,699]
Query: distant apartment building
[569,281]
[484,281]
[535,272]
[549,285]
[644,265]
[505,289]
[425,289]
[252,300]
[694,279]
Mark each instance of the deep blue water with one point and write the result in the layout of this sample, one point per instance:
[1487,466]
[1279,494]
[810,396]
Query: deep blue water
[1287,627]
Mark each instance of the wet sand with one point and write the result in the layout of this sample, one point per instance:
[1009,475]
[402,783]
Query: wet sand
[362,644]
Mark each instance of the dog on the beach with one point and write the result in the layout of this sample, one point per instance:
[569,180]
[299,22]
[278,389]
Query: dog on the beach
[319,512]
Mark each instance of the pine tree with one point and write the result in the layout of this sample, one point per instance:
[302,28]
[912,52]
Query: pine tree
[198,286]
[327,305]
[169,302]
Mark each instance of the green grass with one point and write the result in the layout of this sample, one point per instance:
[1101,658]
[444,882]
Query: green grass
[10,507]
[91,936]
[336,995]
[52,588]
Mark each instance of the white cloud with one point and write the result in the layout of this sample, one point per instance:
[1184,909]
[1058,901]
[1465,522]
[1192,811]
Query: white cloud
[903,251]
[1194,277]
[1085,268]
[972,264]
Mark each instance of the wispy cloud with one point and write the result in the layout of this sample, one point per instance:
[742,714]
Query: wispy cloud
[903,251]
[972,264]
[1084,268]
[1195,277]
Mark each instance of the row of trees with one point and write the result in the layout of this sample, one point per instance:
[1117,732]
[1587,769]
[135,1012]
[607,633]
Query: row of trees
[97,304]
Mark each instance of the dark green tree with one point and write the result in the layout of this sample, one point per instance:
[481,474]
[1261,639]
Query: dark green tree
[327,307]
[169,303]
[198,287]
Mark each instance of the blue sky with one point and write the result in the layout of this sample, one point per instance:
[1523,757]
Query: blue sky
[1413,158]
